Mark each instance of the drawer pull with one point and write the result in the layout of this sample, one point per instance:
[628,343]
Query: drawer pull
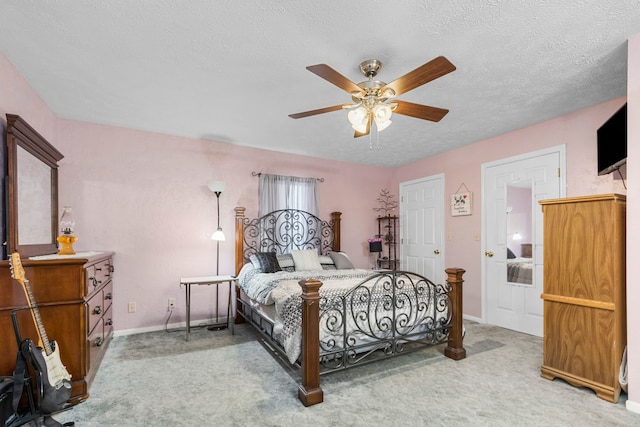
[94,281]
[99,341]
[111,269]
[108,296]
[108,322]
[97,310]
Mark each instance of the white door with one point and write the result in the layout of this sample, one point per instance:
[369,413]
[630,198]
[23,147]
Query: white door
[512,236]
[422,227]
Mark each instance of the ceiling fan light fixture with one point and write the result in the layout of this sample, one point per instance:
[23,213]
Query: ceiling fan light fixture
[358,117]
[360,127]
[382,113]
[382,125]
[388,93]
[373,100]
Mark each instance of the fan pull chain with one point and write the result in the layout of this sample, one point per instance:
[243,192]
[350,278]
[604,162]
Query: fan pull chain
[377,138]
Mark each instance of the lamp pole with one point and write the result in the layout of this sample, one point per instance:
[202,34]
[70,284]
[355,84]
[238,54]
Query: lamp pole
[217,187]
[218,240]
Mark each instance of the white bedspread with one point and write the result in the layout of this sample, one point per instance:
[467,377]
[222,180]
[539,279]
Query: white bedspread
[258,286]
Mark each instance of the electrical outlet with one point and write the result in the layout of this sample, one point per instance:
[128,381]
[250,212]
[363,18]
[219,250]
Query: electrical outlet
[132,307]
[172,304]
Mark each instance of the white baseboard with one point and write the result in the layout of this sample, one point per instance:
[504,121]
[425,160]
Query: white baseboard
[472,318]
[633,406]
[178,325]
[170,326]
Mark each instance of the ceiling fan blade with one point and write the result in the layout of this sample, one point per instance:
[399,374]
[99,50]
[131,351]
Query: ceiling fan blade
[433,69]
[366,132]
[419,111]
[334,77]
[318,111]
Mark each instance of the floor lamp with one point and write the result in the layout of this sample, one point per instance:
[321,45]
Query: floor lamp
[217,187]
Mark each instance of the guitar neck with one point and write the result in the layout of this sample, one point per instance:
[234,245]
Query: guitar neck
[43,340]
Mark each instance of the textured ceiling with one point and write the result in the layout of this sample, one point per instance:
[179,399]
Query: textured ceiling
[231,71]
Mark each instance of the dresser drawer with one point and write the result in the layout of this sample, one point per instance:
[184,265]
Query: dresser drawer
[108,324]
[98,274]
[95,341]
[526,250]
[95,310]
[107,295]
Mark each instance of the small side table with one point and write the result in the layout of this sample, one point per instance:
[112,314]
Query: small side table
[209,280]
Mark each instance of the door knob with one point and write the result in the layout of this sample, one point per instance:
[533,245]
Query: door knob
[437,251]
[489,254]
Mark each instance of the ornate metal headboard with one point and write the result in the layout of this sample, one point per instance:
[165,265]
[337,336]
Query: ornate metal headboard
[283,231]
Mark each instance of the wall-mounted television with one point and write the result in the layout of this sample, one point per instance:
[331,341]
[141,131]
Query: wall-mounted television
[612,142]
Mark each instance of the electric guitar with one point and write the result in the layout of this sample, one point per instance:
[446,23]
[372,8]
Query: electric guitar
[45,357]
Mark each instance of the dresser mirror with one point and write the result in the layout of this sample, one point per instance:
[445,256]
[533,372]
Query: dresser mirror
[32,199]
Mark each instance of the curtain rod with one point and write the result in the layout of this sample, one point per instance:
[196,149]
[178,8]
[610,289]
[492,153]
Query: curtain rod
[260,173]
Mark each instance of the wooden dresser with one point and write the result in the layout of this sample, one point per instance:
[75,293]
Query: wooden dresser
[74,296]
[584,295]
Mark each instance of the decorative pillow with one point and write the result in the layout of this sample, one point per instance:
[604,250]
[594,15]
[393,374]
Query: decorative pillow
[326,262]
[325,259]
[341,260]
[254,260]
[306,259]
[510,254]
[268,262]
[285,260]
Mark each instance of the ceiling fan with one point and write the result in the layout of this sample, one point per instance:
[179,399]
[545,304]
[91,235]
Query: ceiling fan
[374,101]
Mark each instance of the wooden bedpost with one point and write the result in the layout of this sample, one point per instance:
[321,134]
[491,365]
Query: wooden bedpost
[335,220]
[239,251]
[239,238]
[454,349]
[309,392]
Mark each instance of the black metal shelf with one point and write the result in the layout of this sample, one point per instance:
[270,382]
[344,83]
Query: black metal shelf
[388,232]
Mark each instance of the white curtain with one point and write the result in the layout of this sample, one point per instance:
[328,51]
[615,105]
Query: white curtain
[288,192]
[283,233]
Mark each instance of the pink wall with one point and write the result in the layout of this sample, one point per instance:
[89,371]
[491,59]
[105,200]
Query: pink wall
[463,165]
[145,196]
[18,97]
[633,224]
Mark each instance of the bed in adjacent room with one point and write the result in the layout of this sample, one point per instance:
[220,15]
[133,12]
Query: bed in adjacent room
[520,270]
[319,312]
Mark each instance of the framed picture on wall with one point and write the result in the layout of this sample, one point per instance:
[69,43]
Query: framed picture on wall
[461,204]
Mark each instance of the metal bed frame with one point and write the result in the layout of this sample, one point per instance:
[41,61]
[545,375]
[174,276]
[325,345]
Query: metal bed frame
[385,315]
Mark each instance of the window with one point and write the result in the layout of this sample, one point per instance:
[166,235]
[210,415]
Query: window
[283,231]
[288,192]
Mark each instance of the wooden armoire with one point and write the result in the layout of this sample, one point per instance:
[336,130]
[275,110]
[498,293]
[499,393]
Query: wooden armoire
[584,294]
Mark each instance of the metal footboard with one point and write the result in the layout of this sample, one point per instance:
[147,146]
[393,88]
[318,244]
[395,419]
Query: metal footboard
[388,314]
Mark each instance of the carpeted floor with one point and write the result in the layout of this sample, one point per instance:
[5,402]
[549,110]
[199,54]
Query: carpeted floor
[216,379]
